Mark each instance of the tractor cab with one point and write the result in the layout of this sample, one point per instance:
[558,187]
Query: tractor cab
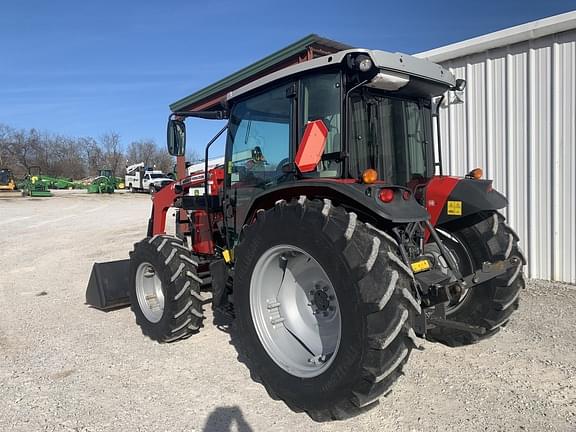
[105,173]
[354,127]
[7,180]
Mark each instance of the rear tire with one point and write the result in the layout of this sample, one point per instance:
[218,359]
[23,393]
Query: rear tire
[483,237]
[164,291]
[374,299]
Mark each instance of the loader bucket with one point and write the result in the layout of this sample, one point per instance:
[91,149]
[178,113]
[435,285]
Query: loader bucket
[108,285]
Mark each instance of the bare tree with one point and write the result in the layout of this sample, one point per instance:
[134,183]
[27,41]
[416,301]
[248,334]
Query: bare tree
[6,157]
[73,157]
[113,155]
[142,151]
[148,151]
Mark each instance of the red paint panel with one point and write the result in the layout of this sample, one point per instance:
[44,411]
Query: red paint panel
[437,192]
[312,146]
[162,201]
[216,177]
[202,237]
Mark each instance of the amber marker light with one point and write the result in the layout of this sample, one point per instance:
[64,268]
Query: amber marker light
[476,173]
[369,176]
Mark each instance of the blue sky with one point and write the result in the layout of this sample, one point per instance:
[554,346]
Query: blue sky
[85,68]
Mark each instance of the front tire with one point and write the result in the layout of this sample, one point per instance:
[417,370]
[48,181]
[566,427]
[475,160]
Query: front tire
[363,280]
[164,291]
[482,238]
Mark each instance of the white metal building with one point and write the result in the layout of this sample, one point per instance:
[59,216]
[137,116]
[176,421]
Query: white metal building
[517,120]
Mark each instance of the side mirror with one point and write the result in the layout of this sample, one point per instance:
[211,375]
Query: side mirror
[460,84]
[176,137]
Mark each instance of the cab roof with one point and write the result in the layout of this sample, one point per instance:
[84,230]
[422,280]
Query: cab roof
[383,60]
[306,54]
[213,96]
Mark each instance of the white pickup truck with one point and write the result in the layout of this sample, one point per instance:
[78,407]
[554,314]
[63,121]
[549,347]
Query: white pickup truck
[141,179]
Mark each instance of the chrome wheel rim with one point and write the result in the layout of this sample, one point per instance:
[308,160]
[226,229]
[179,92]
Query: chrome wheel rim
[149,292]
[295,311]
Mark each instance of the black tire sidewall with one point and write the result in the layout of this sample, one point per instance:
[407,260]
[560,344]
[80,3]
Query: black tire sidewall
[479,304]
[306,234]
[147,253]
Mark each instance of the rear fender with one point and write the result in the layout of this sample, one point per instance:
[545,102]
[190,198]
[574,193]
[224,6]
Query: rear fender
[451,198]
[359,198]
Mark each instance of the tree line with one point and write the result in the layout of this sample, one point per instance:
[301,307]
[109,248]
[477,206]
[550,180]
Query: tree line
[76,157]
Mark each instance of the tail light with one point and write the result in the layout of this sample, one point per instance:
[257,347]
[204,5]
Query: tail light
[386,195]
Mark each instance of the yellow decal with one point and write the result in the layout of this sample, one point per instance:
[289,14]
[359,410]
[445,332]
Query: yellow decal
[229,167]
[420,266]
[227,255]
[454,208]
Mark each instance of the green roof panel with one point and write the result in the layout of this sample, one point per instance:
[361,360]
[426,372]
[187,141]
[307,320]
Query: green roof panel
[243,75]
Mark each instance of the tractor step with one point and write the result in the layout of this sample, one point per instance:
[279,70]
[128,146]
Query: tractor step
[108,285]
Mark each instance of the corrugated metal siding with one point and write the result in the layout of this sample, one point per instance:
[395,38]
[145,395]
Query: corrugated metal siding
[518,122]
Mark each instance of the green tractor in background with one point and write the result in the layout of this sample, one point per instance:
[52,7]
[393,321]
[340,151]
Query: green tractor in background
[60,183]
[34,185]
[104,183]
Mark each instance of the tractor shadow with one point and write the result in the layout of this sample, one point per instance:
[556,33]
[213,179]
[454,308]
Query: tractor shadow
[222,419]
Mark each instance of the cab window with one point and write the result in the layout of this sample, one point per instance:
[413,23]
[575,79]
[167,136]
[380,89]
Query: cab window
[259,129]
[321,100]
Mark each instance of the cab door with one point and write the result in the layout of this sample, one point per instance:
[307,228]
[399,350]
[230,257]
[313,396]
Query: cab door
[259,143]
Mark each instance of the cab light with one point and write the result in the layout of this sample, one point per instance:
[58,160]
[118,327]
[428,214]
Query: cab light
[369,176]
[476,173]
[386,195]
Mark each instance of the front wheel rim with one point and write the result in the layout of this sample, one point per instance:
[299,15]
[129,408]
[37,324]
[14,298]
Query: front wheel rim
[295,311]
[149,292]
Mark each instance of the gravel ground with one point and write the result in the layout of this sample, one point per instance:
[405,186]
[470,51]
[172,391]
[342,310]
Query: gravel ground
[65,366]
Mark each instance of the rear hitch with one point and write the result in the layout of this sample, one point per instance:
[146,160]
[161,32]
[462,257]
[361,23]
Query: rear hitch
[490,271]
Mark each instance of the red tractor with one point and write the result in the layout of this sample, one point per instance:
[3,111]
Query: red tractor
[326,235]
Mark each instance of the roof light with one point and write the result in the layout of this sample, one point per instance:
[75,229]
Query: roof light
[364,64]
[388,80]
[361,62]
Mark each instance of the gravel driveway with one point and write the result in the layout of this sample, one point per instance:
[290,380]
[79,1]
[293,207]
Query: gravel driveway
[67,367]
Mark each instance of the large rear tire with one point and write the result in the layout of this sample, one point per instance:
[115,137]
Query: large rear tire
[164,290]
[481,238]
[308,265]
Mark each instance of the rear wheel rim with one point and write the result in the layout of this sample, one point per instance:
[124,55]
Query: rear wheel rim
[149,292]
[295,311]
